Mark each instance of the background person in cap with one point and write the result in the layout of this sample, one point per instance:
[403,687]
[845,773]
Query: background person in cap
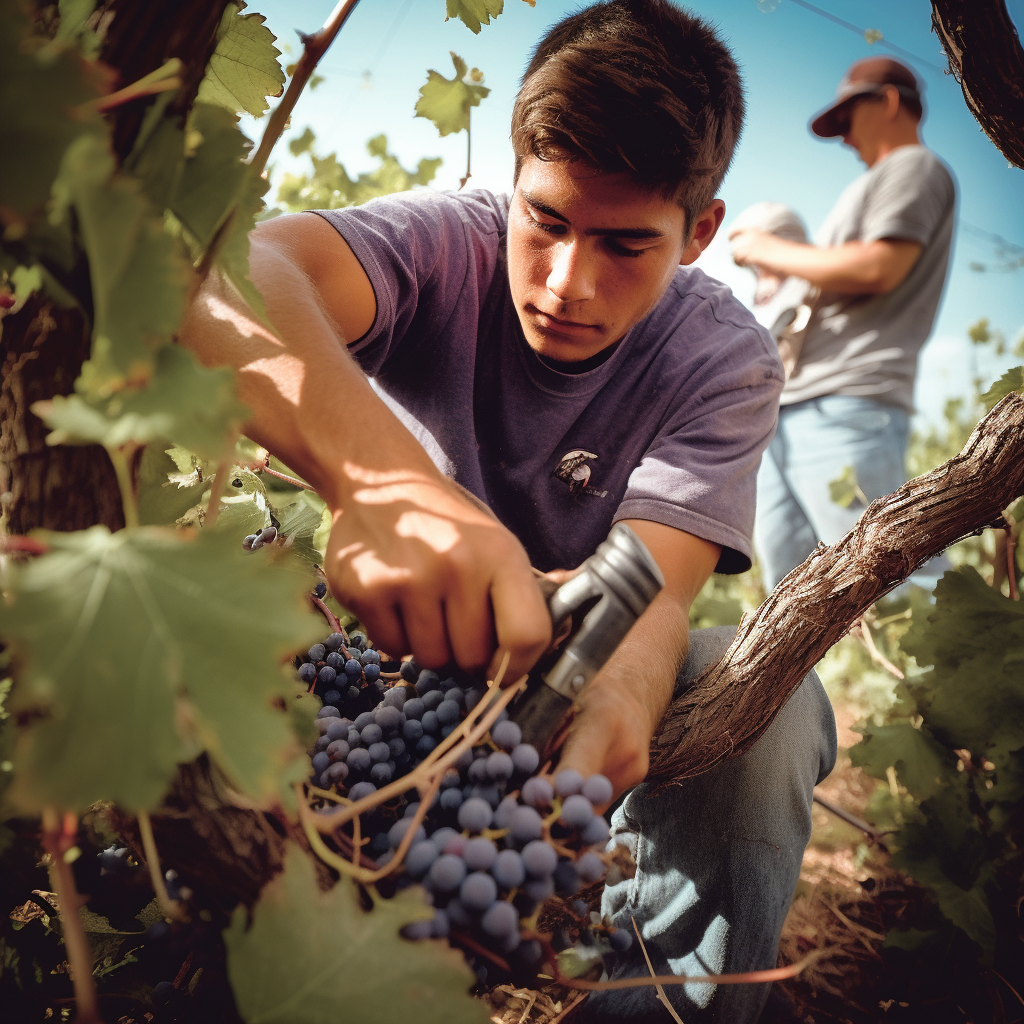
[879,267]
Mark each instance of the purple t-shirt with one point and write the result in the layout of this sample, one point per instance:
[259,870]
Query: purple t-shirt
[670,428]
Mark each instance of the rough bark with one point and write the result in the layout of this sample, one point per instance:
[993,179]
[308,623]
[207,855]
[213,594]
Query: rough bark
[733,703]
[986,58]
[62,488]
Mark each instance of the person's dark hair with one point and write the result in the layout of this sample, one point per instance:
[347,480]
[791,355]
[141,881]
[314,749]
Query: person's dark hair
[639,86]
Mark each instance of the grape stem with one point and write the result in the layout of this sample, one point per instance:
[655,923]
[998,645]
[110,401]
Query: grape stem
[662,998]
[129,502]
[264,467]
[60,834]
[332,619]
[171,908]
[746,978]
[220,481]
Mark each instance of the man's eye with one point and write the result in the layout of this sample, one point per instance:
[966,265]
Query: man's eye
[551,229]
[621,250]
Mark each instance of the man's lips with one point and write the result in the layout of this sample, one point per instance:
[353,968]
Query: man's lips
[556,323]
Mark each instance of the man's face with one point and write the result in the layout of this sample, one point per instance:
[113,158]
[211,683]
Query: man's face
[589,255]
[866,119]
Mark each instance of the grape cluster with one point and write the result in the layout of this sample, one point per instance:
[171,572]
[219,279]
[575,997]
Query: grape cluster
[498,838]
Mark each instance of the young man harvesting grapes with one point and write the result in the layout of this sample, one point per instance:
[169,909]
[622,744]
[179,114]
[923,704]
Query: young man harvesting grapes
[552,354]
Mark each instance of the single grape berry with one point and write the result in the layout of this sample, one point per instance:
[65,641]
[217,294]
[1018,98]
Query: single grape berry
[409,671]
[420,856]
[446,873]
[597,789]
[371,672]
[595,832]
[317,653]
[476,815]
[568,782]
[335,641]
[361,789]
[307,673]
[478,891]
[525,824]
[508,869]
[539,859]
[500,920]
[499,766]
[538,792]
[525,758]
[269,535]
[321,590]
[506,735]
[576,811]
[479,854]
[620,940]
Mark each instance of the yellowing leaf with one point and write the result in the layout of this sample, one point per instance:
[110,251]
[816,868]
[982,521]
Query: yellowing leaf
[311,957]
[447,101]
[138,650]
[474,12]
[184,402]
[244,69]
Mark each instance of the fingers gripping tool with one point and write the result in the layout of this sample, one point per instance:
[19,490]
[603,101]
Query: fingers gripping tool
[600,603]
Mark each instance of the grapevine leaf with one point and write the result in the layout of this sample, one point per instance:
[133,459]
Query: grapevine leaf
[148,645]
[244,507]
[921,764]
[299,522]
[1012,380]
[164,493]
[909,939]
[973,697]
[139,275]
[244,69]
[473,13]
[233,256]
[213,177]
[311,957]
[183,402]
[42,90]
[447,101]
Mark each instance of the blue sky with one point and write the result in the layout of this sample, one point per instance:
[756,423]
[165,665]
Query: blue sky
[792,59]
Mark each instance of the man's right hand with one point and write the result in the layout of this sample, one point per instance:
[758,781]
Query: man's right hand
[429,573]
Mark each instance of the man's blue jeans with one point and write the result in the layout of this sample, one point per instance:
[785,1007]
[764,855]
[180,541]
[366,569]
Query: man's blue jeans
[816,440]
[718,858]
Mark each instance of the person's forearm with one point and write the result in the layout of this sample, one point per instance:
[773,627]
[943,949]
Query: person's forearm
[311,404]
[855,268]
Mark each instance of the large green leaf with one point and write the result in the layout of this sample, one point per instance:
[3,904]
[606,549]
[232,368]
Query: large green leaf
[41,85]
[184,402]
[921,764]
[447,101]
[164,492]
[311,957]
[973,697]
[139,274]
[474,12]
[244,69]
[137,650]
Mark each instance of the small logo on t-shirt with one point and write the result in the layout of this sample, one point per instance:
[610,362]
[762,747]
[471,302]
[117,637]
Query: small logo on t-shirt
[573,469]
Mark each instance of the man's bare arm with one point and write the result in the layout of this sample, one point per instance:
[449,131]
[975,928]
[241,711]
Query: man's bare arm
[625,702]
[425,570]
[855,268]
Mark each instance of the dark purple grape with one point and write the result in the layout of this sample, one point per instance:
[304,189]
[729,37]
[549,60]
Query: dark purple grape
[577,811]
[409,671]
[538,792]
[539,889]
[337,750]
[506,735]
[426,681]
[337,773]
[525,758]
[334,641]
[412,730]
[417,930]
[590,867]
[479,854]
[321,761]
[620,940]
[500,920]
[448,712]
[508,869]
[568,782]
[397,746]
[413,708]
[458,916]
[317,653]
[477,771]
[353,668]
[320,590]
[371,673]
[361,789]
[432,699]
[331,698]
[359,759]
[597,789]
[424,745]
[420,856]
[499,766]
[307,672]
[503,815]
[475,814]
[451,799]
[478,891]
[539,859]
[595,832]
[389,717]
[566,878]
[446,873]
[397,832]
[371,657]
[395,697]
[430,723]
[382,773]
[371,733]
[525,825]
[363,720]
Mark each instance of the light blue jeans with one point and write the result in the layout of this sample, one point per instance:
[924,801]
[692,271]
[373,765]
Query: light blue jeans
[718,858]
[816,440]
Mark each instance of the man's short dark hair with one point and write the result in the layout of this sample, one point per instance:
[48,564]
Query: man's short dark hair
[639,86]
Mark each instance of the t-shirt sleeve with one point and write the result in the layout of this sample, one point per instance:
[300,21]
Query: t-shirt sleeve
[700,472]
[417,249]
[909,198]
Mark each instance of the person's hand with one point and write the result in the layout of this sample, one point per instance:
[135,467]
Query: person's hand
[611,734]
[431,574]
[744,246]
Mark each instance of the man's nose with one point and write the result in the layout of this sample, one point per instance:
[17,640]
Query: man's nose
[572,277]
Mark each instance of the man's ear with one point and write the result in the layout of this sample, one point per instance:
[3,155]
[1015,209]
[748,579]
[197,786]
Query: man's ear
[709,220]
